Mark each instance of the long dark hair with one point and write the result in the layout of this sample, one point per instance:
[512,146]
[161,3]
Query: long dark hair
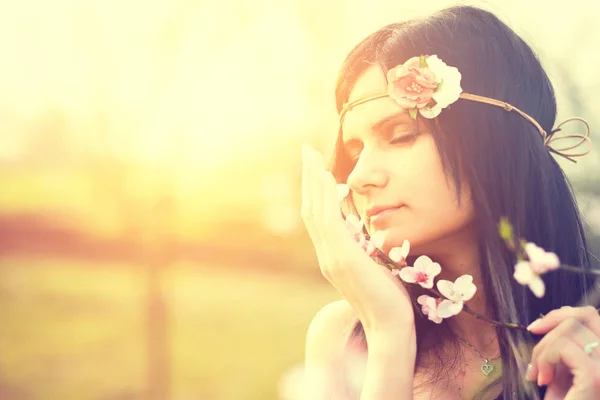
[508,168]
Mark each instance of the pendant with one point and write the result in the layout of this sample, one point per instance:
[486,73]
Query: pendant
[487,368]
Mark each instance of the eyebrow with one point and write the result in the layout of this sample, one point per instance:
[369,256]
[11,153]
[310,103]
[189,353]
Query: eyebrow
[396,117]
[378,126]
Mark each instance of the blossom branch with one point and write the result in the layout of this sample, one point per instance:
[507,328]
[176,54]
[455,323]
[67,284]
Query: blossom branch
[511,325]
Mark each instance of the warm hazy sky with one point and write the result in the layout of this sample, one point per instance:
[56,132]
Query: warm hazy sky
[206,79]
[216,89]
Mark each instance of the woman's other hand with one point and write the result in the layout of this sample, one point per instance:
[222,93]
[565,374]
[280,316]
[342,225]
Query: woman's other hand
[567,359]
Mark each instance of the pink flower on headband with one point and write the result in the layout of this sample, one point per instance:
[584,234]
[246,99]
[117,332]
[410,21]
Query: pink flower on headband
[411,86]
[424,85]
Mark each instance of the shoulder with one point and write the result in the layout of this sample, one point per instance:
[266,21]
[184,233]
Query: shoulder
[328,332]
[325,345]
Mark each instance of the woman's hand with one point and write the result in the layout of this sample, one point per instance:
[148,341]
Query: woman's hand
[379,299]
[567,359]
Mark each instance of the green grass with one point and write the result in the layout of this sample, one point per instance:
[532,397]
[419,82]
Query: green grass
[73,331]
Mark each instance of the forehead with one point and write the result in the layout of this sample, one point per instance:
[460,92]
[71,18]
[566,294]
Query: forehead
[371,82]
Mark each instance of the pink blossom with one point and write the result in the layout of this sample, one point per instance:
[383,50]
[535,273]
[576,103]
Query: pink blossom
[353,223]
[541,261]
[457,293]
[355,228]
[429,307]
[422,273]
[377,239]
[525,275]
[528,272]
[342,191]
[399,254]
[374,243]
[411,85]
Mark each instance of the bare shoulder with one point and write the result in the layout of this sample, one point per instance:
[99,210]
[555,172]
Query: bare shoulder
[328,331]
[325,344]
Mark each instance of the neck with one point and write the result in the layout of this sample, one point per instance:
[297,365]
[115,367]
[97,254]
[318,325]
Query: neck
[459,255]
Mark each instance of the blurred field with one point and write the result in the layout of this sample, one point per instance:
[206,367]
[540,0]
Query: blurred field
[73,330]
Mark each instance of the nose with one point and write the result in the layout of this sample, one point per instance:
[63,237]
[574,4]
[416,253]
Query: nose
[368,174]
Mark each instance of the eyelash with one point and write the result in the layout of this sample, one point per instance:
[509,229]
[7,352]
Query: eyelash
[404,138]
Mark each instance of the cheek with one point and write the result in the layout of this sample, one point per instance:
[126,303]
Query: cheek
[432,197]
[435,194]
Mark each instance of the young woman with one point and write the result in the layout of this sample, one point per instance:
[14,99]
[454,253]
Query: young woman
[446,126]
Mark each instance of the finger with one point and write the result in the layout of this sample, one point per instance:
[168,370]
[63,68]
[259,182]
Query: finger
[337,230]
[313,218]
[328,254]
[344,252]
[307,209]
[572,332]
[316,182]
[549,359]
[587,315]
[582,366]
[579,364]
[540,348]
[560,385]
[330,213]
[563,329]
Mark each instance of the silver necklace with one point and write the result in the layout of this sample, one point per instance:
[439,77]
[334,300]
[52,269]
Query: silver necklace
[487,367]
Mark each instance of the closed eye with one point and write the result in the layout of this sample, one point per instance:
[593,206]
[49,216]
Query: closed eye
[406,138]
[402,133]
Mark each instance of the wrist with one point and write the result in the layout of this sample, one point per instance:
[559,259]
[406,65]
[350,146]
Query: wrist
[393,341]
[398,337]
[392,326]
[390,364]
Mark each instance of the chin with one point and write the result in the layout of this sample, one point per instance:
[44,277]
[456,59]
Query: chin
[393,238]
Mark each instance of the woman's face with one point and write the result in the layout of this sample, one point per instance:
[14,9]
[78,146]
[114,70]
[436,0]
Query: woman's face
[398,184]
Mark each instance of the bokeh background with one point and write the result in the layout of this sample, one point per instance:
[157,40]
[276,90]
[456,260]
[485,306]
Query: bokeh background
[150,239]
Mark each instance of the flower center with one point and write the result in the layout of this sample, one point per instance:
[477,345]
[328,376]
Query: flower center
[415,87]
[455,297]
[421,277]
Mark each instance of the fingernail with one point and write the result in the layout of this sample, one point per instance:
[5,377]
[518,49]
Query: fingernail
[534,324]
[540,381]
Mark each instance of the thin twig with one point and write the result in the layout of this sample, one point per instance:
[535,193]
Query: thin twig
[579,270]
[511,325]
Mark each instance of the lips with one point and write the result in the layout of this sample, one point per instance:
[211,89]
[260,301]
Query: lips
[373,212]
